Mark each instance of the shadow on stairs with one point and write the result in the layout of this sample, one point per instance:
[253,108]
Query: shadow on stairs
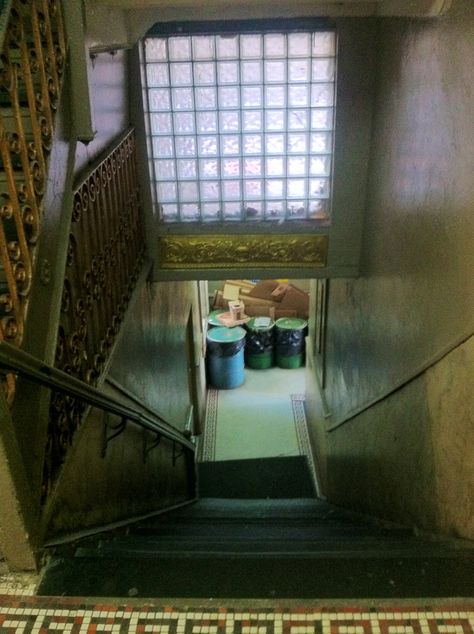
[256,478]
[258,532]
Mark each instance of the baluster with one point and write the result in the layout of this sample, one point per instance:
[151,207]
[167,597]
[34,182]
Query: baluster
[106,240]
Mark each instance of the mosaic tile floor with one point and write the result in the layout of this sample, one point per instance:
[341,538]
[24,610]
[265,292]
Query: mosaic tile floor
[25,615]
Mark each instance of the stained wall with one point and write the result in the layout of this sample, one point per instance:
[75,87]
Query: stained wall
[102,484]
[397,338]
[108,85]
[151,358]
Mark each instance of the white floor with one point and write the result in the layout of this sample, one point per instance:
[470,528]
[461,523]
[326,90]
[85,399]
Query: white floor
[260,419]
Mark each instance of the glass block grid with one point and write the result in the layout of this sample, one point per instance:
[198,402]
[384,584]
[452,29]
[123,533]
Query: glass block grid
[240,127]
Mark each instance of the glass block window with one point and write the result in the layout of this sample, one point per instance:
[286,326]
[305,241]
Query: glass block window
[240,127]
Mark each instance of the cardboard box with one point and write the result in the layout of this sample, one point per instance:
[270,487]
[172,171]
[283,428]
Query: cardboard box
[219,301]
[286,300]
[284,313]
[231,292]
[249,300]
[260,310]
[264,289]
[279,292]
[297,300]
[241,283]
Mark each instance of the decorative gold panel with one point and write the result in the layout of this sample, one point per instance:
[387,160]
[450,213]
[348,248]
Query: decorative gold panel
[243,251]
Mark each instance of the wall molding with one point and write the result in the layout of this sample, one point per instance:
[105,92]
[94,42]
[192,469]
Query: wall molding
[242,251]
[399,385]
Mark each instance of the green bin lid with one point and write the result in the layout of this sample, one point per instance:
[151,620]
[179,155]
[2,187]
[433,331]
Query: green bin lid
[257,324]
[291,323]
[212,317]
[226,335]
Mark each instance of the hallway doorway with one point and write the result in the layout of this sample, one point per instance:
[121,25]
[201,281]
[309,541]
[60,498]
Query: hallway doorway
[265,416]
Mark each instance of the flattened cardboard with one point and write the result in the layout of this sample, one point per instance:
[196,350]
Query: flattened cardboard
[249,300]
[260,310]
[297,300]
[285,313]
[264,289]
[231,292]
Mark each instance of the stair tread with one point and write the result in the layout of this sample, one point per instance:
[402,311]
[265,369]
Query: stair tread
[345,549]
[296,530]
[254,545]
[259,509]
[258,577]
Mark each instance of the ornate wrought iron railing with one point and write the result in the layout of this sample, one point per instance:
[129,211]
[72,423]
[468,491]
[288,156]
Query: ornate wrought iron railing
[31,71]
[24,364]
[19,362]
[105,256]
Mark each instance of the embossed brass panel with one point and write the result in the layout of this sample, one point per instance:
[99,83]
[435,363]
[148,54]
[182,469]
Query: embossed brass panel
[242,251]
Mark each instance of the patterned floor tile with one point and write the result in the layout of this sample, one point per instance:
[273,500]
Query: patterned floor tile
[44,615]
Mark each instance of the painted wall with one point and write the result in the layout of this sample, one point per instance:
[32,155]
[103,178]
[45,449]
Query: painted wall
[94,490]
[105,25]
[416,295]
[150,365]
[151,360]
[411,455]
[108,82]
[140,18]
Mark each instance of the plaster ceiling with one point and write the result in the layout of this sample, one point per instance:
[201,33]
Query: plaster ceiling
[328,7]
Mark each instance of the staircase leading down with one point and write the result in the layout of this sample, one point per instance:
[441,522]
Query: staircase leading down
[260,547]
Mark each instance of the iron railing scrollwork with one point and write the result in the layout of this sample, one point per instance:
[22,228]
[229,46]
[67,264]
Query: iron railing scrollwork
[105,257]
[31,73]
[21,363]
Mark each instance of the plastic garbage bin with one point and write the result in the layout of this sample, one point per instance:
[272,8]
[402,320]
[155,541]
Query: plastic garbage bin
[259,344]
[212,318]
[289,335]
[225,357]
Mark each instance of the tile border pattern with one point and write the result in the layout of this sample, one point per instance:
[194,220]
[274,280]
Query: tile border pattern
[208,445]
[41,615]
[304,446]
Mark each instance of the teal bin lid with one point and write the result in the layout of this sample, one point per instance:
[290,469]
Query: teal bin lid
[226,335]
[212,317]
[259,324]
[291,323]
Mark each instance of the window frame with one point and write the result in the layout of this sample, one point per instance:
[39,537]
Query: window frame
[240,27]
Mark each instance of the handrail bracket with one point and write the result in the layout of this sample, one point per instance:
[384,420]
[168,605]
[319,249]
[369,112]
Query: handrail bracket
[149,446]
[177,453]
[117,430]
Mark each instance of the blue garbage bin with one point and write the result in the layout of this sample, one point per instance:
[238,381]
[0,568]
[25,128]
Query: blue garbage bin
[225,357]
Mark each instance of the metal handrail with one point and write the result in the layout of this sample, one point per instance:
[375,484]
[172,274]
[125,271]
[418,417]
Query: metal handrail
[16,360]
